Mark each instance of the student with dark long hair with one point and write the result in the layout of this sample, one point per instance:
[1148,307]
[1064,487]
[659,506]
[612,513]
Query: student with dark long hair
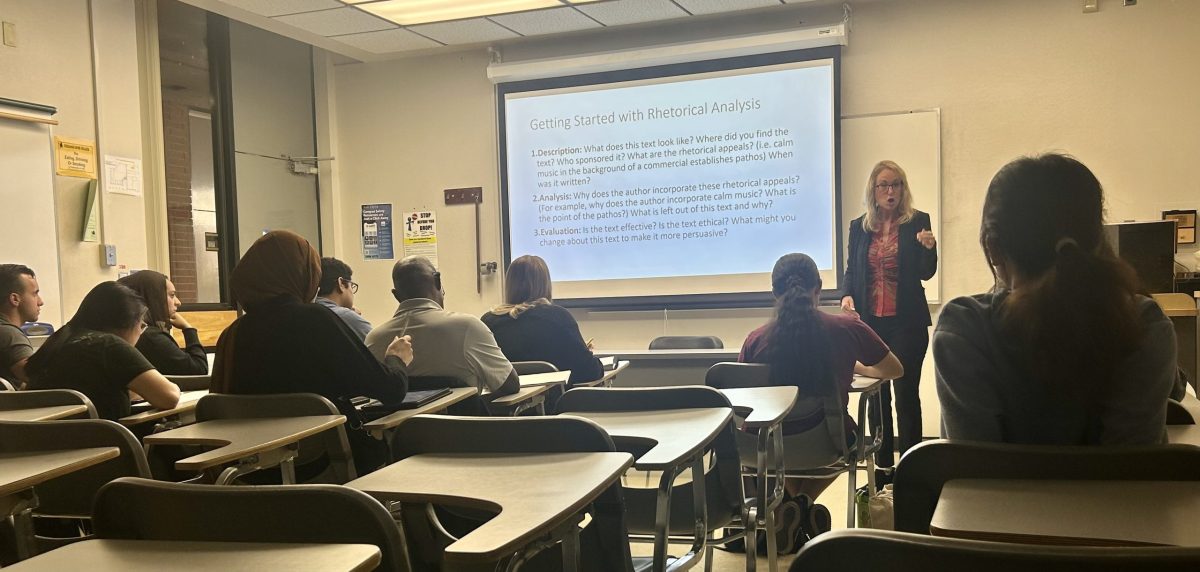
[94,354]
[819,352]
[1063,350]
[156,342]
[529,327]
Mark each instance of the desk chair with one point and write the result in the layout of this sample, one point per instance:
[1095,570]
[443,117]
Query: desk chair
[686,343]
[140,509]
[604,545]
[925,468]
[852,550]
[822,452]
[322,458]
[530,367]
[191,382]
[45,398]
[726,501]
[65,503]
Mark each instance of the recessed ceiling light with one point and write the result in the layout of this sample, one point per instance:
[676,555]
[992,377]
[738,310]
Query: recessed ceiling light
[412,12]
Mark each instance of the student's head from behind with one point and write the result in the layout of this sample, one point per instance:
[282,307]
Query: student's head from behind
[528,280]
[887,194]
[159,293]
[280,265]
[1072,300]
[113,308]
[336,283]
[798,344]
[22,295]
[415,277]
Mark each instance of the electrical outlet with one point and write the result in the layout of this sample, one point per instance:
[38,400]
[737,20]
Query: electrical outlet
[465,196]
[108,255]
[10,34]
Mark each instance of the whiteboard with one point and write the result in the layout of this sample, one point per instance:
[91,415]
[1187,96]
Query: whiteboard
[913,141]
[30,236]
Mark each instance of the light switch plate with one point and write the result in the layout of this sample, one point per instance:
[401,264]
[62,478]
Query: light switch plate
[108,255]
[10,34]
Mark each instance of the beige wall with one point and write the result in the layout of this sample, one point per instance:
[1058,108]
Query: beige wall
[1014,77]
[53,65]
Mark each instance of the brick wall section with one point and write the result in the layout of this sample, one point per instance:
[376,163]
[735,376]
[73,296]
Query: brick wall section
[180,237]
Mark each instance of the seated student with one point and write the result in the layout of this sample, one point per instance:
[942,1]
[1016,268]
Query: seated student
[285,344]
[156,342]
[452,344]
[1063,350]
[818,352]
[94,354]
[22,303]
[529,327]
[337,291]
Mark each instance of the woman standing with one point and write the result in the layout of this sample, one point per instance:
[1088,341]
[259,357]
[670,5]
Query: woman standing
[156,342]
[892,249]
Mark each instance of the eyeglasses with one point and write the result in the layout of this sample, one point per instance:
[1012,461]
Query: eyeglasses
[351,285]
[894,185]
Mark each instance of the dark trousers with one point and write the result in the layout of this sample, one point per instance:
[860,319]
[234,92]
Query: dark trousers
[909,344]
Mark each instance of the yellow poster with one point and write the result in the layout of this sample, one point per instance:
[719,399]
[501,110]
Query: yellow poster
[75,157]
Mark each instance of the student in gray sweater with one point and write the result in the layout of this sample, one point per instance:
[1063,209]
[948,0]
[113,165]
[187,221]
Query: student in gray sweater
[1064,350]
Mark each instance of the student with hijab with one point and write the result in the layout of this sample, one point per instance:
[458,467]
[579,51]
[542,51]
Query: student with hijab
[284,343]
[156,342]
[94,354]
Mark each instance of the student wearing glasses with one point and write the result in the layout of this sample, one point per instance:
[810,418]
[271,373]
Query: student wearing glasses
[94,354]
[337,291]
[892,249]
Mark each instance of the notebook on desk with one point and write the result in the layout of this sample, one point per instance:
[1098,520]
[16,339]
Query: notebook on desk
[412,400]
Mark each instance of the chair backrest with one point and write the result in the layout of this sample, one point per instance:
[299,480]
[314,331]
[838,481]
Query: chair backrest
[46,398]
[5,385]
[858,549]
[141,509]
[926,467]
[332,444]
[71,495]
[528,367]
[686,343]
[723,482]
[1177,414]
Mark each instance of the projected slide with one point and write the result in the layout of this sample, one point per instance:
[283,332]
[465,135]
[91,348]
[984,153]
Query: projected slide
[676,185]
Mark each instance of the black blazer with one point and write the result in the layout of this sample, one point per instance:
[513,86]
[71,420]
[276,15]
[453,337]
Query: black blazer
[916,263]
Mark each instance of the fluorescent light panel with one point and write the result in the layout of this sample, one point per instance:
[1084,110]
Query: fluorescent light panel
[413,12]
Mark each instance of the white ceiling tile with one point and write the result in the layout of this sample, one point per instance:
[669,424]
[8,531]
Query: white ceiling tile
[336,22]
[281,7]
[618,12]
[473,31]
[397,40]
[717,6]
[549,21]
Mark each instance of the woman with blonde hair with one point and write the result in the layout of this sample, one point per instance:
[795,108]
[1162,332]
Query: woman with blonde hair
[892,249]
[529,327]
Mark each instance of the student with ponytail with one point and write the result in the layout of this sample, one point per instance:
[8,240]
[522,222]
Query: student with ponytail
[1063,350]
[819,352]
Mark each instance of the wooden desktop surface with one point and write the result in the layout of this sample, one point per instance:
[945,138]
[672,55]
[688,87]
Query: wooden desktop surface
[50,413]
[677,434]
[186,556]
[187,402]
[531,492]
[548,378]
[237,439]
[1093,513]
[766,405]
[19,471]
[457,394]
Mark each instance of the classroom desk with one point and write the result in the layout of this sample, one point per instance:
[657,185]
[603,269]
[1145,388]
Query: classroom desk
[680,437]
[548,378]
[528,397]
[50,413]
[660,368]
[379,427]
[187,556]
[868,389]
[253,443]
[166,419]
[534,494]
[609,376]
[765,409]
[1183,435]
[20,472]
[1089,513]
[1182,311]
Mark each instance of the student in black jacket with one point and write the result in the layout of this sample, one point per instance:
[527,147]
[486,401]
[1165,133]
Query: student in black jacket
[529,327]
[156,342]
[892,249]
